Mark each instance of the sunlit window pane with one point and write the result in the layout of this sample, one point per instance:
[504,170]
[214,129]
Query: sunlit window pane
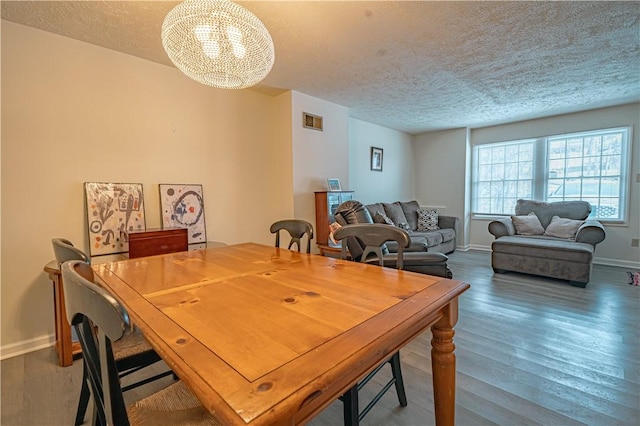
[499,176]
[587,166]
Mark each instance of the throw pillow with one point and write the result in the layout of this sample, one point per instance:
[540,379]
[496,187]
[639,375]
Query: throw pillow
[427,220]
[382,218]
[394,212]
[562,227]
[527,225]
[410,209]
[405,226]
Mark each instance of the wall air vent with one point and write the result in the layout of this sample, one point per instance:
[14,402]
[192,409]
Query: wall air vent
[311,121]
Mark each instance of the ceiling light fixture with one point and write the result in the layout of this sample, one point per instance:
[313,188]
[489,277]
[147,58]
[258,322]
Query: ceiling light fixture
[218,43]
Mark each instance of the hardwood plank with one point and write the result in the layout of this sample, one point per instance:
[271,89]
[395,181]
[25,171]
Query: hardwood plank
[12,387]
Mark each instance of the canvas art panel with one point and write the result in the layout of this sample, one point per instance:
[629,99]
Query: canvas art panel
[113,210]
[182,206]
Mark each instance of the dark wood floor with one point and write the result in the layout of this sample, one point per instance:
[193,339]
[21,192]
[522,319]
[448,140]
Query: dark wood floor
[530,351]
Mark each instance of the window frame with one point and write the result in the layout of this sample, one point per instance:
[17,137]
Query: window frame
[541,172]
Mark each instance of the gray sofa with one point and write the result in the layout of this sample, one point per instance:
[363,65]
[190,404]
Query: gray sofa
[442,240]
[425,252]
[563,250]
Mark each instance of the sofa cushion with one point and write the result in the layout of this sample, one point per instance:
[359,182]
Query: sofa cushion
[395,213]
[427,220]
[577,210]
[448,234]
[375,208]
[413,259]
[562,227]
[433,238]
[410,210]
[544,248]
[527,225]
[404,226]
[382,218]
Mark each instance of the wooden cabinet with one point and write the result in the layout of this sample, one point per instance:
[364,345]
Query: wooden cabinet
[326,204]
[157,241]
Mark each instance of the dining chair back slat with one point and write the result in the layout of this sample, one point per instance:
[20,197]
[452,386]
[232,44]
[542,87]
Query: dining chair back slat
[297,229]
[64,250]
[373,237]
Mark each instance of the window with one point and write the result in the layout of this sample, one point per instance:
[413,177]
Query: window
[590,166]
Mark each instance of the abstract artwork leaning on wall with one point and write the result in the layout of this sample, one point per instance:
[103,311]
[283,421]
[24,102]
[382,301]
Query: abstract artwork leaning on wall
[182,206]
[113,210]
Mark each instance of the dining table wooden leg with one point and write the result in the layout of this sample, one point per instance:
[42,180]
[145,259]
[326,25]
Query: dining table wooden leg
[443,364]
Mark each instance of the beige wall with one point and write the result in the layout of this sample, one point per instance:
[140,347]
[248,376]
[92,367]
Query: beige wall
[317,155]
[73,112]
[395,182]
[440,174]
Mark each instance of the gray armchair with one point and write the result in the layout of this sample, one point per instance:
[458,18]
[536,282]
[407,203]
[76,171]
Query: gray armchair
[567,257]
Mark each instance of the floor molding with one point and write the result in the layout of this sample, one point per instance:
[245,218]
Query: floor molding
[616,262]
[26,346]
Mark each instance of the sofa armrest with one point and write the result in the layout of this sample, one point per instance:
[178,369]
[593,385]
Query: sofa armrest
[502,227]
[448,222]
[591,232]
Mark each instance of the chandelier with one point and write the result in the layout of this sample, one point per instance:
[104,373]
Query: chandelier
[218,43]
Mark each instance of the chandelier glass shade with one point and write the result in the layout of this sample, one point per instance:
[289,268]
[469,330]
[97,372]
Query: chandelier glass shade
[218,43]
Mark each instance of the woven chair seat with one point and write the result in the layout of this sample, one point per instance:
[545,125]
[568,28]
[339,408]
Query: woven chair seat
[132,343]
[175,404]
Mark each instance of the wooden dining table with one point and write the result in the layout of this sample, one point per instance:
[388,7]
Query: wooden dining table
[268,336]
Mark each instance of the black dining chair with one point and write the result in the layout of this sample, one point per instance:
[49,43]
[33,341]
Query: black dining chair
[100,322]
[373,237]
[132,352]
[297,229]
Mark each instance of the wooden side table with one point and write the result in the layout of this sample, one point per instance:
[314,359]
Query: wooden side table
[65,347]
[330,251]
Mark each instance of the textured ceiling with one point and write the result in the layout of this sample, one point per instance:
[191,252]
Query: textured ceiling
[411,66]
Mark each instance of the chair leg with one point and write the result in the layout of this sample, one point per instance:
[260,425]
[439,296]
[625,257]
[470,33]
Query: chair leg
[84,397]
[350,407]
[397,375]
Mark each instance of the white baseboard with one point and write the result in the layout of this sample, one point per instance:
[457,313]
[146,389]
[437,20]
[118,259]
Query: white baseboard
[25,346]
[596,260]
[616,262]
[477,247]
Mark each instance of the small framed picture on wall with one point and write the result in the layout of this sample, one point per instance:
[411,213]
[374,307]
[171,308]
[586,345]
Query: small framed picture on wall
[334,184]
[376,159]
